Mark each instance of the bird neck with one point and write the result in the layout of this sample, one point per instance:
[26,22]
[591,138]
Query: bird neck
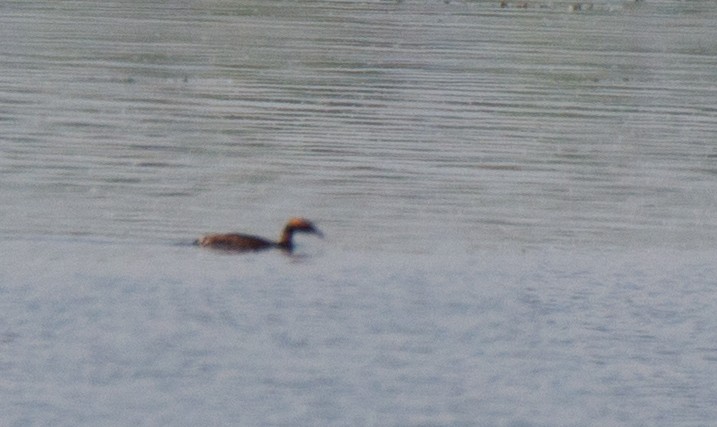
[286,241]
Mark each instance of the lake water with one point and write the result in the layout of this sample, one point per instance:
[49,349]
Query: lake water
[520,210]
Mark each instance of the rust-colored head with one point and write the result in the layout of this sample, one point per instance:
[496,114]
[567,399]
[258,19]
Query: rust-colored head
[302,224]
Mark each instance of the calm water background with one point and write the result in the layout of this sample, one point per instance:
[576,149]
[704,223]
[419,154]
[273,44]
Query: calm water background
[519,205]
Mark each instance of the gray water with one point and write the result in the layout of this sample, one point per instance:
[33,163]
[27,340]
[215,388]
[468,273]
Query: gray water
[519,210]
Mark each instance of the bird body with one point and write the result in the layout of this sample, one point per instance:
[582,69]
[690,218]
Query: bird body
[246,242]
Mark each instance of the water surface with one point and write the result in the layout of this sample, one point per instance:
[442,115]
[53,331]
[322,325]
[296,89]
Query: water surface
[519,207]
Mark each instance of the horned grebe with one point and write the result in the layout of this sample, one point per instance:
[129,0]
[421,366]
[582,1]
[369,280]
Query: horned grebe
[244,242]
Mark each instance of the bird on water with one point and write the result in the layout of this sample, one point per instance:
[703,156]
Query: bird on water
[244,242]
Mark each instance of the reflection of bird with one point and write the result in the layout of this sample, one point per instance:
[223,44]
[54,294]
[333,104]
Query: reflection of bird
[244,242]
